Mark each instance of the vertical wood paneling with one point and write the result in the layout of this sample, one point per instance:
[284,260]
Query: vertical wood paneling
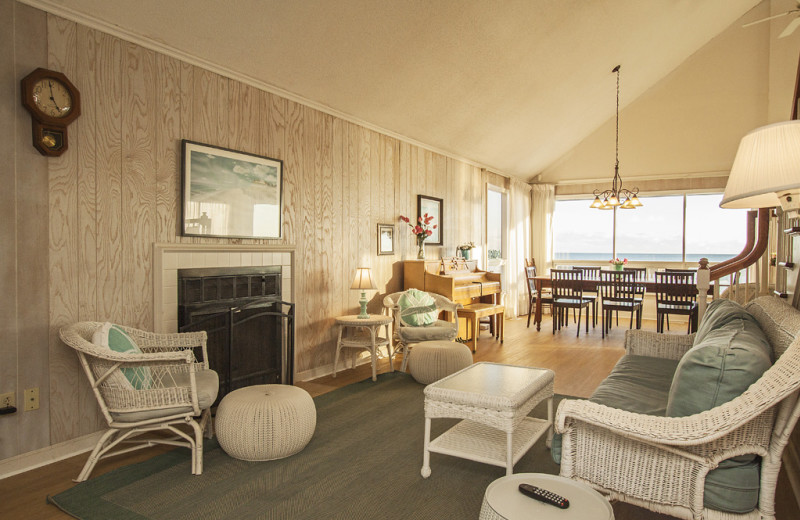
[117,190]
[138,183]
[168,147]
[65,401]
[12,137]
[109,178]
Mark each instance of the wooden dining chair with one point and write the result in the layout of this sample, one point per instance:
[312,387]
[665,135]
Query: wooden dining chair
[591,273]
[568,294]
[533,294]
[618,292]
[640,275]
[676,293]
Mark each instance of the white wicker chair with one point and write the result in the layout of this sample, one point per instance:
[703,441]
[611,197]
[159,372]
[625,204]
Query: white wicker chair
[660,463]
[405,334]
[179,391]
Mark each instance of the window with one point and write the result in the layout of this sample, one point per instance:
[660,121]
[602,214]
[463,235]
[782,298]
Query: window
[712,232]
[495,227]
[653,232]
[671,228]
[581,232]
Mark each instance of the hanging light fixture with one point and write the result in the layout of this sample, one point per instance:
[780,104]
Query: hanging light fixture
[617,196]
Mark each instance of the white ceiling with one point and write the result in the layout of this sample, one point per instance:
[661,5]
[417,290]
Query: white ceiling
[512,85]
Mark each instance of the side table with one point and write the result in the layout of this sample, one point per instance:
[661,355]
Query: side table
[369,342]
[503,501]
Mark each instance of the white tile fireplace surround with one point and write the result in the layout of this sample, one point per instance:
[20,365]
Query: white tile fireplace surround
[168,258]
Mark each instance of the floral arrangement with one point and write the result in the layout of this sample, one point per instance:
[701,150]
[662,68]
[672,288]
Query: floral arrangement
[617,261]
[467,246]
[422,228]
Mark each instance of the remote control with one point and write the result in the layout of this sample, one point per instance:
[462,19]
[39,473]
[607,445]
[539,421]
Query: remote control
[542,495]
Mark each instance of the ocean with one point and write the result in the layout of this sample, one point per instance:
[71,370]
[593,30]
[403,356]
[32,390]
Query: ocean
[643,257]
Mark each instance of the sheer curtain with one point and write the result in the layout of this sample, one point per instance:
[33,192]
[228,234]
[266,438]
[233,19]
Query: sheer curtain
[519,247]
[543,201]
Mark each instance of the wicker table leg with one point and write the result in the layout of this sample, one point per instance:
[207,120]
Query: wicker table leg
[426,454]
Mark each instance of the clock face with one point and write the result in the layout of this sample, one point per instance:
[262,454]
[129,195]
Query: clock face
[52,98]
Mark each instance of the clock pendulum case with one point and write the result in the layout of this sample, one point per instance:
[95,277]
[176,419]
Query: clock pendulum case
[54,103]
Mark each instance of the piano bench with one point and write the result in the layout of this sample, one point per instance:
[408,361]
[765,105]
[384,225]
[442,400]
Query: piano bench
[474,312]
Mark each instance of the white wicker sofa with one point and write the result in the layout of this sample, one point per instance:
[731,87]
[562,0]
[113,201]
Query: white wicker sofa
[663,462]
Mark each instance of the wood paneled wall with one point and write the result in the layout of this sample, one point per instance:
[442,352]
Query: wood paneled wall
[116,191]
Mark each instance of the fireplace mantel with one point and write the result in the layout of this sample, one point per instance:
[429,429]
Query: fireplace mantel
[168,258]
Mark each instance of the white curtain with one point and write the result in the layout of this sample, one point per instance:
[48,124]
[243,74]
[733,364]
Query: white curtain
[519,247]
[543,202]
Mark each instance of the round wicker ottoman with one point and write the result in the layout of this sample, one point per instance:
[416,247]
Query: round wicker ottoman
[265,422]
[430,361]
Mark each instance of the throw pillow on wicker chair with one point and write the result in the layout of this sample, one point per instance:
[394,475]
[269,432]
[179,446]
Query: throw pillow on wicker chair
[417,308]
[114,337]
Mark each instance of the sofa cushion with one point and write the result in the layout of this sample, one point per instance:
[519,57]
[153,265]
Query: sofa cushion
[438,330]
[638,384]
[417,308]
[207,388]
[718,313]
[720,367]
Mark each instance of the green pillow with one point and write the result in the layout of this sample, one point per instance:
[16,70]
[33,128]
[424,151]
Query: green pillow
[114,337]
[417,308]
[718,313]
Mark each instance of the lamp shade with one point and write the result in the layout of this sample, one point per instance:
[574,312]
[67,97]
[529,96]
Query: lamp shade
[363,279]
[767,165]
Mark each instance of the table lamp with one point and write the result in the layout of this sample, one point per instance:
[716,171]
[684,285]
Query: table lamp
[363,281]
[766,170]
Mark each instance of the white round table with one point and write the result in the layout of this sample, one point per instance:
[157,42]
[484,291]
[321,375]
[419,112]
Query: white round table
[503,500]
[371,342]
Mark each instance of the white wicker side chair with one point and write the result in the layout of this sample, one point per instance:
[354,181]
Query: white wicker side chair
[405,333]
[172,390]
[661,463]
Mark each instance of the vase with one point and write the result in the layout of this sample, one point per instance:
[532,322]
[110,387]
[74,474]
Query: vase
[465,254]
[618,267]
[420,248]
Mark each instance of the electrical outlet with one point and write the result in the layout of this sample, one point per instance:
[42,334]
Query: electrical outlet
[7,400]
[31,399]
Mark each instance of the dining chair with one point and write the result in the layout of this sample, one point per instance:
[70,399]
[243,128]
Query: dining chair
[568,294]
[641,276]
[591,273]
[533,294]
[676,293]
[618,292]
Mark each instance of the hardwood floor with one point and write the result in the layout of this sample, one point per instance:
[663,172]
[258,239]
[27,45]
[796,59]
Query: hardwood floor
[579,363]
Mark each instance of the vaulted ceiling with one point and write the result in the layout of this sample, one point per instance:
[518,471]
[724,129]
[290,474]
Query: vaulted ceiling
[512,85]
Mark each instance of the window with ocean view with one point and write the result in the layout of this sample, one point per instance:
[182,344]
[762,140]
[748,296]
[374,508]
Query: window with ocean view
[655,232]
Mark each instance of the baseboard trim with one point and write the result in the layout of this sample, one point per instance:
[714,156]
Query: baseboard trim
[791,465]
[44,456]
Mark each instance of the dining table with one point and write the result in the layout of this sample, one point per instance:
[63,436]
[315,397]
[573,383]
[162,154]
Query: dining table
[589,284]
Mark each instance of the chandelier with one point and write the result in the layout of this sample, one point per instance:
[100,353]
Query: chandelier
[617,196]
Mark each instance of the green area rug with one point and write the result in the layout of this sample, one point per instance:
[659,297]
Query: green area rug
[362,463]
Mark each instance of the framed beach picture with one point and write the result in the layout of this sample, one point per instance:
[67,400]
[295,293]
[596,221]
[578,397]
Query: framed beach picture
[385,239]
[230,194]
[432,206]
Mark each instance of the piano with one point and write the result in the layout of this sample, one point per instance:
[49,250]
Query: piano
[459,280]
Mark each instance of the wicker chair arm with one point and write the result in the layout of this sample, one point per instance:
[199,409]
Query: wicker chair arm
[694,430]
[183,356]
[648,343]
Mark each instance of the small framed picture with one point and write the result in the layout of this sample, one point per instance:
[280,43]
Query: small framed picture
[385,239]
[432,207]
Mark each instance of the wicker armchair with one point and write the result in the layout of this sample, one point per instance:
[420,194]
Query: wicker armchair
[660,463]
[404,334]
[174,390]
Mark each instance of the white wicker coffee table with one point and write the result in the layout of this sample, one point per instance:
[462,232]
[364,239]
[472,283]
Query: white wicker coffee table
[503,501]
[494,400]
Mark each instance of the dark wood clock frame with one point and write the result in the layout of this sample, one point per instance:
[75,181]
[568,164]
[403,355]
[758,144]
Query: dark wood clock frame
[46,128]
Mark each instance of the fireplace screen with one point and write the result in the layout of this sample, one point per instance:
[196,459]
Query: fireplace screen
[250,330]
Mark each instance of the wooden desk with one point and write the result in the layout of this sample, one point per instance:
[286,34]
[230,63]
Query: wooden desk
[542,282]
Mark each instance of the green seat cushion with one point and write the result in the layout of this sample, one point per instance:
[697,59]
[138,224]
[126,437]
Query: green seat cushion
[417,308]
[638,384]
[718,313]
[114,337]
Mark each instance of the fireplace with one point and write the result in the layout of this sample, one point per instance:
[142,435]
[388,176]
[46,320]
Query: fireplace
[250,329]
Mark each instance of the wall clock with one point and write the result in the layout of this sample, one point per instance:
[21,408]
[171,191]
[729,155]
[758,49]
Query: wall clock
[54,103]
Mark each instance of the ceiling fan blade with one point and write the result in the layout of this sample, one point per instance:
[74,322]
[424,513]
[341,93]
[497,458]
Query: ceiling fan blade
[768,18]
[793,25]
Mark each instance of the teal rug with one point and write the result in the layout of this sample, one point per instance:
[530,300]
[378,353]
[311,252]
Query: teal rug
[362,463]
